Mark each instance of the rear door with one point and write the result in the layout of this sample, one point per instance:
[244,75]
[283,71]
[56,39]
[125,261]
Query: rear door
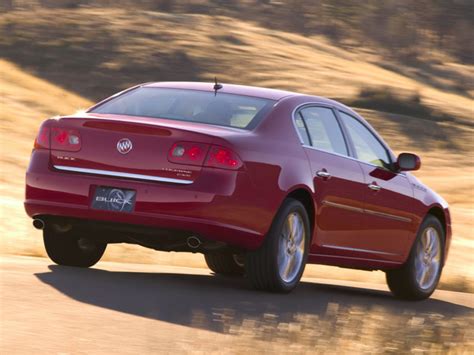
[389,221]
[338,180]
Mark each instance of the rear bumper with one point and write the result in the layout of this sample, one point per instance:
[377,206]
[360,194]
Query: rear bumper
[220,205]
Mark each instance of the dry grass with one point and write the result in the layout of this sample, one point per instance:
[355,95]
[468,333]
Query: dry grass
[123,48]
[264,58]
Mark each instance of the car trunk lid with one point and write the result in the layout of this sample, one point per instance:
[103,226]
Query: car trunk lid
[132,147]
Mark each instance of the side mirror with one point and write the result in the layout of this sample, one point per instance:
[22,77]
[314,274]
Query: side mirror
[408,161]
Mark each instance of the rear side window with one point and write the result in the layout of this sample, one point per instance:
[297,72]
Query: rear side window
[189,105]
[302,132]
[368,148]
[323,129]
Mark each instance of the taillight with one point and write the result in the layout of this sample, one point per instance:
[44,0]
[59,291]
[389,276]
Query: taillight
[188,153]
[42,139]
[65,139]
[220,157]
[200,154]
[58,139]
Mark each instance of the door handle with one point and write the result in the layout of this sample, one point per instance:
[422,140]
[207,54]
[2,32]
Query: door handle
[323,174]
[373,186]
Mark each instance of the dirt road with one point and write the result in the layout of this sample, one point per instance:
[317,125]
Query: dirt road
[134,308]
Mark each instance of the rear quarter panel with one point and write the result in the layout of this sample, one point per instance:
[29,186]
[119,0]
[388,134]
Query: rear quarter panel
[274,159]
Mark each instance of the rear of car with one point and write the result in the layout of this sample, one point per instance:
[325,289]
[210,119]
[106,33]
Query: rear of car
[155,166]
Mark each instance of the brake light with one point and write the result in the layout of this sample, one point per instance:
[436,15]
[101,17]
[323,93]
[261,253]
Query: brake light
[188,153]
[65,139]
[42,139]
[200,154]
[220,157]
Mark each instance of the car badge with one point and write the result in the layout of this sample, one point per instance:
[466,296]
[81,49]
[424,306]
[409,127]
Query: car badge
[124,146]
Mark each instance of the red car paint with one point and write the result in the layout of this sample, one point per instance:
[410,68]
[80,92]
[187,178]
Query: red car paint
[353,226]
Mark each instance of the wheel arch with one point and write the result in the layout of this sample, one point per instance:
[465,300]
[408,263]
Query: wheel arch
[443,216]
[438,212]
[304,196]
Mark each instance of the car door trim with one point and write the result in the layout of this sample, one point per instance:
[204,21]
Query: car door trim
[342,206]
[364,210]
[122,175]
[357,249]
[388,215]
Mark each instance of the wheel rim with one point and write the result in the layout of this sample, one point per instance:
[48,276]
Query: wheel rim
[291,247]
[428,258]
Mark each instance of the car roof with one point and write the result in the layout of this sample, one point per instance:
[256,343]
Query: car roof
[264,93]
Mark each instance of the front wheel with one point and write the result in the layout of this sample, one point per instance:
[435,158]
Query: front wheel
[418,278]
[70,249]
[279,263]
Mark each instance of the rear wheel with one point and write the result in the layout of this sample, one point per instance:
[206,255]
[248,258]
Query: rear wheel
[279,263]
[418,278]
[71,249]
[225,263]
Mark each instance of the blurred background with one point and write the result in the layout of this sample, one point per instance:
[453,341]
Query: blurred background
[406,66]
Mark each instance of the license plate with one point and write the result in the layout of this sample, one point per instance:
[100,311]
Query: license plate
[113,199]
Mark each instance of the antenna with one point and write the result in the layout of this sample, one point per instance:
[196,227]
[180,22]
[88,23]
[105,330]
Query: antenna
[216,86]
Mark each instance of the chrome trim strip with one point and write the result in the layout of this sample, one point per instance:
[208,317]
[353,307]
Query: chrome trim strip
[362,210]
[120,174]
[344,207]
[356,249]
[316,255]
[388,215]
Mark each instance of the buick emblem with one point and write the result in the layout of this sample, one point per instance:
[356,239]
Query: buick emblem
[124,146]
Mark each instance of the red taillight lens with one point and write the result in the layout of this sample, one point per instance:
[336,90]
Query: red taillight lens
[199,154]
[42,139]
[220,157]
[65,139]
[188,153]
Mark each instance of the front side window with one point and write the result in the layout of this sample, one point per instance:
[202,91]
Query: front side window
[323,129]
[367,147]
[189,105]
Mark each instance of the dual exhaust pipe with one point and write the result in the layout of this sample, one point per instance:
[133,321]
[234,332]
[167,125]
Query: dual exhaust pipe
[193,242]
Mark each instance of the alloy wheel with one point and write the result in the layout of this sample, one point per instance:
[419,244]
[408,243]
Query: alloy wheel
[291,247]
[428,258]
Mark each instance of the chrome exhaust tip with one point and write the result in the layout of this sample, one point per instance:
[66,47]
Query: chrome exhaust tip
[38,223]
[193,242]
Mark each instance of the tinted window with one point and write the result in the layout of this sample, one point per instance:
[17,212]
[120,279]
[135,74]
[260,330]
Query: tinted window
[189,105]
[368,148]
[323,129]
[303,133]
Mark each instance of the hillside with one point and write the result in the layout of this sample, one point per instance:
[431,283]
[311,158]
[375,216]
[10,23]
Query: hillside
[66,59]
[94,51]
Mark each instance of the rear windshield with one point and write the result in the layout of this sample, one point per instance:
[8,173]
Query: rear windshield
[189,105]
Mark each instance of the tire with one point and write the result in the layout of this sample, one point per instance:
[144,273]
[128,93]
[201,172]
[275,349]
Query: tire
[418,277]
[69,249]
[224,263]
[265,267]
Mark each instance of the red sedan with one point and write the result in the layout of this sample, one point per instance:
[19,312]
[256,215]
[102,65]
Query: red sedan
[260,181]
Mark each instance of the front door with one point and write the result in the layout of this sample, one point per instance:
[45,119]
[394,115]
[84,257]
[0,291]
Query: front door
[389,223]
